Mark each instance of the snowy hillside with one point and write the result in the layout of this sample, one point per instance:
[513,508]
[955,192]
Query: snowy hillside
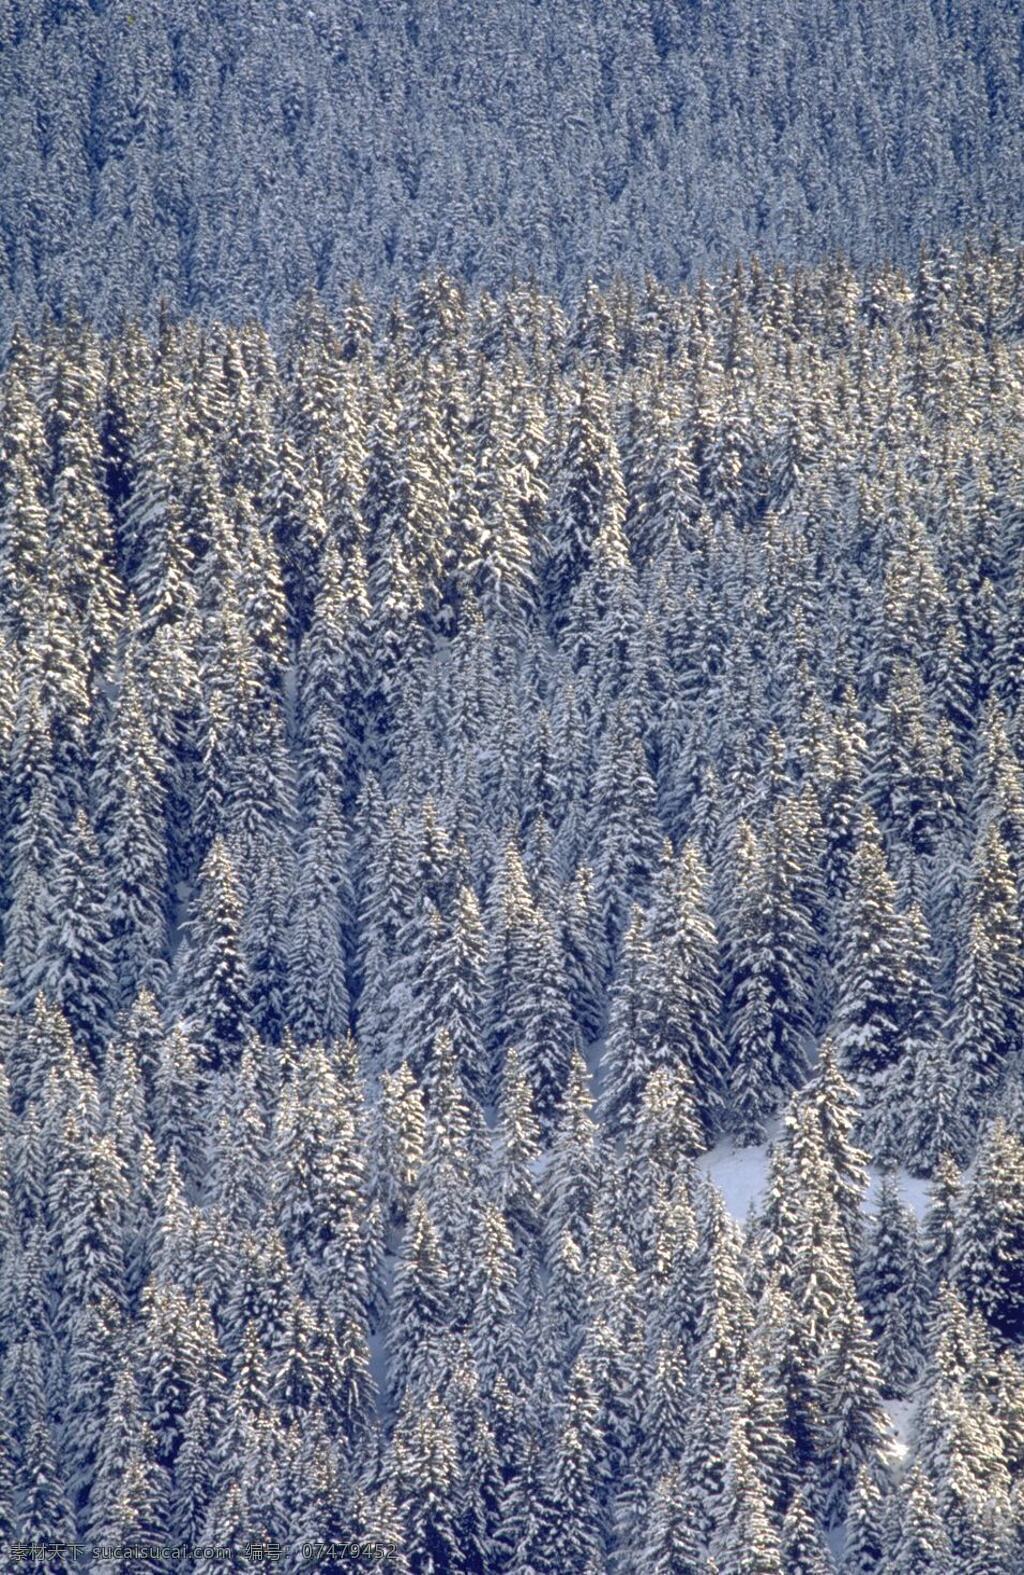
[226,156]
[513,830]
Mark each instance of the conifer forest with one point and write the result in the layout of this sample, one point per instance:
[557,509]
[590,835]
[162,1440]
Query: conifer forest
[512,787]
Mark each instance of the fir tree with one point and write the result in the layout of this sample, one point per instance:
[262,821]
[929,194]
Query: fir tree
[854,1426]
[671,1545]
[890,1282]
[922,1542]
[75,968]
[686,996]
[590,493]
[426,1469]
[873,984]
[317,999]
[991,1220]
[747,1540]
[419,1303]
[938,1236]
[804,1551]
[864,1548]
[769,998]
[212,983]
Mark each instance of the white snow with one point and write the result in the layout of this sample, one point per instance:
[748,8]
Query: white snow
[738,1173]
[900,1414]
[913,1191]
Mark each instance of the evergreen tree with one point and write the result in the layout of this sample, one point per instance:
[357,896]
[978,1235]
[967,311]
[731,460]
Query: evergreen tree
[993,906]
[991,1219]
[426,1472]
[832,1102]
[580,935]
[890,1282]
[419,1303]
[577,1472]
[770,985]
[934,1125]
[317,1000]
[264,940]
[686,995]
[516,1151]
[624,835]
[854,1426]
[627,1059]
[979,1031]
[671,1545]
[922,1542]
[461,962]
[124,1430]
[590,493]
[938,1236]
[547,1042]
[873,984]
[400,1143]
[864,1547]
[136,850]
[747,1540]
[899,1126]
[333,679]
[193,1477]
[804,1551]
[43,1515]
[212,982]
[175,1103]
[572,1181]
[75,969]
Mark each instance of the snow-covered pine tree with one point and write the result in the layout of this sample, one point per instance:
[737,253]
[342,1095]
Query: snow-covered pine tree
[990,1232]
[211,977]
[872,983]
[75,968]
[892,1289]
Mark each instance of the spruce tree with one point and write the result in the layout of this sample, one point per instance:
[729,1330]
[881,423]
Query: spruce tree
[770,1002]
[864,1547]
[211,979]
[990,1234]
[590,493]
[747,1540]
[921,1542]
[891,1288]
[854,1426]
[686,995]
[419,1304]
[627,1058]
[872,983]
[804,1551]
[317,1002]
[75,967]
[671,1544]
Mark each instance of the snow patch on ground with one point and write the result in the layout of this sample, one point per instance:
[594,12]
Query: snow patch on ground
[835,1541]
[913,1190]
[179,915]
[738,1173]
[900,1414]
[290,691]
[377,1342]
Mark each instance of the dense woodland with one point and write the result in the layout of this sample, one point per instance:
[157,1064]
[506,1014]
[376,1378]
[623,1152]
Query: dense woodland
[229,153]
[458,768]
